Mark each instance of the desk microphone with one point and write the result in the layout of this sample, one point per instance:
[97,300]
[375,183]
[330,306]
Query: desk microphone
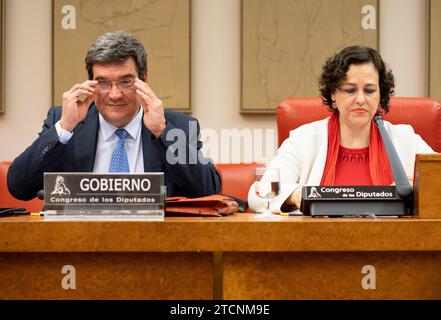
[404,189]
[40,194]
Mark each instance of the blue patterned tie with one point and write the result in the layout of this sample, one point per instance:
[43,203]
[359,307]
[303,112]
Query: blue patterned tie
[119,162]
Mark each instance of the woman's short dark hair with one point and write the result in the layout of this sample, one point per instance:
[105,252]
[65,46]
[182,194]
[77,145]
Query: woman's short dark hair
[116,46]
[335,69]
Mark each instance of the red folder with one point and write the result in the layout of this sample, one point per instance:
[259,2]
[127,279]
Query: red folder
[215,205]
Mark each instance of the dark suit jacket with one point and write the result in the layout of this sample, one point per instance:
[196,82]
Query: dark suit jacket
[47,154]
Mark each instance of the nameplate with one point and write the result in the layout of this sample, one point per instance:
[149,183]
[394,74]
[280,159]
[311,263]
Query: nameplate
[354,201]
[351,192]
[112,194]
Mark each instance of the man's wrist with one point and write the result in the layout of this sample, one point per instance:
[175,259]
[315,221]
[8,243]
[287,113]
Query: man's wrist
[65,126]
[63,135]
[160,130]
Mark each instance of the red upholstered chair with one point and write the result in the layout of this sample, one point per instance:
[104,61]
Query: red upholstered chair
[7,200]
[423,114]
[237,178]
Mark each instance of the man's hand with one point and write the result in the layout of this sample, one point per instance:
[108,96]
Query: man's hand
[76,102]
[154,118]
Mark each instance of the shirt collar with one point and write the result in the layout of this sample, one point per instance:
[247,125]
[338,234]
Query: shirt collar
[133,127]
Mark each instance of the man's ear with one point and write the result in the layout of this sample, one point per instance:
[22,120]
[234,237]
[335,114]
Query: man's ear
[144,77]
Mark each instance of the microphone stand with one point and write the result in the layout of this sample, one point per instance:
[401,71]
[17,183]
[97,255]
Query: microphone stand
[404,189]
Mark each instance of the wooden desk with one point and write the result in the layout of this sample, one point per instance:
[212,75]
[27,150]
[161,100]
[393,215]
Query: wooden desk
[236,257]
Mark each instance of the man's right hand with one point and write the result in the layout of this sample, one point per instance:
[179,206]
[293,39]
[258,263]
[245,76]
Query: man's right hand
[75,106]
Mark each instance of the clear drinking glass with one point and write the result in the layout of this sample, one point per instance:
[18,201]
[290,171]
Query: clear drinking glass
[267,186]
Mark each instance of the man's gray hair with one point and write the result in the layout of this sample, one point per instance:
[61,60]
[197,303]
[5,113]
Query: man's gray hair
[116,46]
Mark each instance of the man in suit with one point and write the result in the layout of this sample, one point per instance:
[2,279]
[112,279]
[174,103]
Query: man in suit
[114,122]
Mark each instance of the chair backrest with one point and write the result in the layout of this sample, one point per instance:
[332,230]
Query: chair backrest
[237,178]
[423,114]
[7,200]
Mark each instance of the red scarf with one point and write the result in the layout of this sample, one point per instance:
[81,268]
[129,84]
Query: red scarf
[379,166]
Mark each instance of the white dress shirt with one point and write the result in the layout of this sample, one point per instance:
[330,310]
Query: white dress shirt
[107,141]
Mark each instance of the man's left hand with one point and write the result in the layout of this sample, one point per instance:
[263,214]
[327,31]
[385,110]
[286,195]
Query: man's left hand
[154,118]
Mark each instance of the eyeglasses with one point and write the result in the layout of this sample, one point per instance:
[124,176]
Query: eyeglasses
[124,84]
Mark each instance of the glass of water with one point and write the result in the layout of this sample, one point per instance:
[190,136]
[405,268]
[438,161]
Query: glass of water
[267,186]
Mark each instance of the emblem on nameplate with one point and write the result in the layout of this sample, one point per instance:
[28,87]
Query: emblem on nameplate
[60,187]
